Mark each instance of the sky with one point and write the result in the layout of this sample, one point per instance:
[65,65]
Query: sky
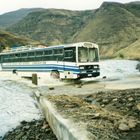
[12,5]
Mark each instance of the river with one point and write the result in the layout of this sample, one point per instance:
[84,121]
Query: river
[17,104]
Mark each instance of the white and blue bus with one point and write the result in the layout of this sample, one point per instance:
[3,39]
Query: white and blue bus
[71,61]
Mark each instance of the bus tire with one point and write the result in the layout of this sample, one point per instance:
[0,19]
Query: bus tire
[55,74]
[14,71]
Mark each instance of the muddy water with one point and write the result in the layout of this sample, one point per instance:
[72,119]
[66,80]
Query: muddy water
[118,74]
[88,87]
[115,74]
[16,105]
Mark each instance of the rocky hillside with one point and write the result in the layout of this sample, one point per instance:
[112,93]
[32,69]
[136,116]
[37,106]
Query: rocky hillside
[8,40]
[114,26]
[10,18]
[52,26]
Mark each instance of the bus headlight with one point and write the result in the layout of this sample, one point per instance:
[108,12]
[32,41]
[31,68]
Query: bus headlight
[84,71]
[95,67]
[81,68]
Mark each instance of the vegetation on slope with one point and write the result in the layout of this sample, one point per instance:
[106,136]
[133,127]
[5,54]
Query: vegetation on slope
[8,40]
[130,52]
[51,26]
[10,18]
[113,26]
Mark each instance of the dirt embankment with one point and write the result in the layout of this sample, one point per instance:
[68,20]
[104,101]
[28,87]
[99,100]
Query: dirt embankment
[107,115]
[34,130]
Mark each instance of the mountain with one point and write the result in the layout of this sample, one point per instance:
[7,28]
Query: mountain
[130,52]
[13,17]
[52,26]
[114,26]
[8,40]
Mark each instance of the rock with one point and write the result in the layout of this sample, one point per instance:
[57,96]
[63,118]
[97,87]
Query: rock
[115,99]
[97,115]
[138,66]
[102,105]
[34,130]
[95,103]
[88,100]
[129,105]
[26,127]
[104,77]
[45,126]
[130,99]
[79,85]
[105,101]
[132,123]
[24,122]
[51,88]
[123,127]
[138,106]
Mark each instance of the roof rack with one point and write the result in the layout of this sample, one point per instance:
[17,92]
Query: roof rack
[21,48]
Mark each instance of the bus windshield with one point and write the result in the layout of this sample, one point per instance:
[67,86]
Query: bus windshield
[88,54]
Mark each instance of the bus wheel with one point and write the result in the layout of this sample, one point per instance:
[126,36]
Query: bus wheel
[14,71]
[55,74]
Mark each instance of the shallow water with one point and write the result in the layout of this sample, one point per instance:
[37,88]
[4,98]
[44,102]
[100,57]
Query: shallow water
[16,103]
[120,74]
[118,68]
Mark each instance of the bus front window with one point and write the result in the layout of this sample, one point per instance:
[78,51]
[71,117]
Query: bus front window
[93,55]
[82,54]
[87,54]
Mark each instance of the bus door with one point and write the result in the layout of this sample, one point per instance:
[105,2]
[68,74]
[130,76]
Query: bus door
[69,58]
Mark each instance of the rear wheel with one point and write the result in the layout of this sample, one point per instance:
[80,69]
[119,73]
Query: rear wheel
[55,74]
[14,71]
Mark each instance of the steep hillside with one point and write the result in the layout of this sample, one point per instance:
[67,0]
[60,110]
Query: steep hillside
[134,7]
[113,26]
[8,40]
[51,26]
[12,17]
[130,52]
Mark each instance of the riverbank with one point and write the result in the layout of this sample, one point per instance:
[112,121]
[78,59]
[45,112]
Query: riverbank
[34,130]
[18,105]
[105,115]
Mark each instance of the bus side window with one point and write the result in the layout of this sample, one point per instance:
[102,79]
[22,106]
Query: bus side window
[58,54]
[11,58]
[23,57]
[68,54]
[31,56]
[48,55]
[39,55]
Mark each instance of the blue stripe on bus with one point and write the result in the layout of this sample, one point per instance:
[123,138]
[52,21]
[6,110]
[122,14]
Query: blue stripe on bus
[47,65]
[44,68]
[37,70]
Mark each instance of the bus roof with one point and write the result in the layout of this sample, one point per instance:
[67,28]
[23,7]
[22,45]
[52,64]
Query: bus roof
[30,48]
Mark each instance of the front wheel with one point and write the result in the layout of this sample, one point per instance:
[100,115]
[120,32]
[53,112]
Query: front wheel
[55,74]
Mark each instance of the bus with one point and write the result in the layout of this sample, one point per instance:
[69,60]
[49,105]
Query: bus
[70,61]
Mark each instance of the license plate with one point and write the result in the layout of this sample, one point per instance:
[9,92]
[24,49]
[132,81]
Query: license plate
[89,74]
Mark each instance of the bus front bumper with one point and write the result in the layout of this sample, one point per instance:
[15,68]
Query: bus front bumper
[88,75]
